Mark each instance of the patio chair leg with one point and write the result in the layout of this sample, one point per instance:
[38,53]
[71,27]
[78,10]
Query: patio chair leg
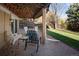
[37,47]
[25,45]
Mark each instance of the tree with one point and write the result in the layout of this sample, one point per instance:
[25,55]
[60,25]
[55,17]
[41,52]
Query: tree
[62,24]
[73,17]
[57,8]
[50,19]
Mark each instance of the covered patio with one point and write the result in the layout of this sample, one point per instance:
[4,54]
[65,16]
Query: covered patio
[52,47]
[13,25]
[26,14]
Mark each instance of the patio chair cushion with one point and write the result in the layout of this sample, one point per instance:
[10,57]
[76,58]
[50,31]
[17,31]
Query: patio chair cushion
[32,35]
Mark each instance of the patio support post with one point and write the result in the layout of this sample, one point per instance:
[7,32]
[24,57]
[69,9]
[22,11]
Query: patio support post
[14,25]
[17,26]
[44,25]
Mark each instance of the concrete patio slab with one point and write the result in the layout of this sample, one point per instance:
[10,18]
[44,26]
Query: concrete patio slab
[51,48]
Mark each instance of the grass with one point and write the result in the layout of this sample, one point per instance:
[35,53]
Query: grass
[66,37]
[76,33]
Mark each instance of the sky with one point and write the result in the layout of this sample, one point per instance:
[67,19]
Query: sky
[62,8]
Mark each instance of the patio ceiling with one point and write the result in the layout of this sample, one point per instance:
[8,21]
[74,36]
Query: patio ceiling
[26,10]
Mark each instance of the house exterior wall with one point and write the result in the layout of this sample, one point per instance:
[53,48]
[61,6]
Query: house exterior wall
[5,25]
[4,28]
[1,29]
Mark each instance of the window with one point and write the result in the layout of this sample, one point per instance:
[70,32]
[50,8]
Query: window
[13,26]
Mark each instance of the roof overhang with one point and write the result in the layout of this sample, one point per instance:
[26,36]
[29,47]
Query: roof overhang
[26,10]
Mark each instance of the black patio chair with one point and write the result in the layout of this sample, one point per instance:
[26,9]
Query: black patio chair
[33,38]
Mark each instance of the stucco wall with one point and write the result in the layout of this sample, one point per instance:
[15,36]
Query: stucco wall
[4,28]
[7,26]
[1,29]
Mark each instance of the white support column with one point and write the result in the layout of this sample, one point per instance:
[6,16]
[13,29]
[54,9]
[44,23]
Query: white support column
[14,26]
[17,26]
[44,25]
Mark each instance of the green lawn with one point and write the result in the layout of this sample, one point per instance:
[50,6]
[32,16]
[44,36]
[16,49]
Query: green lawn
[66,37]
[76,33]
